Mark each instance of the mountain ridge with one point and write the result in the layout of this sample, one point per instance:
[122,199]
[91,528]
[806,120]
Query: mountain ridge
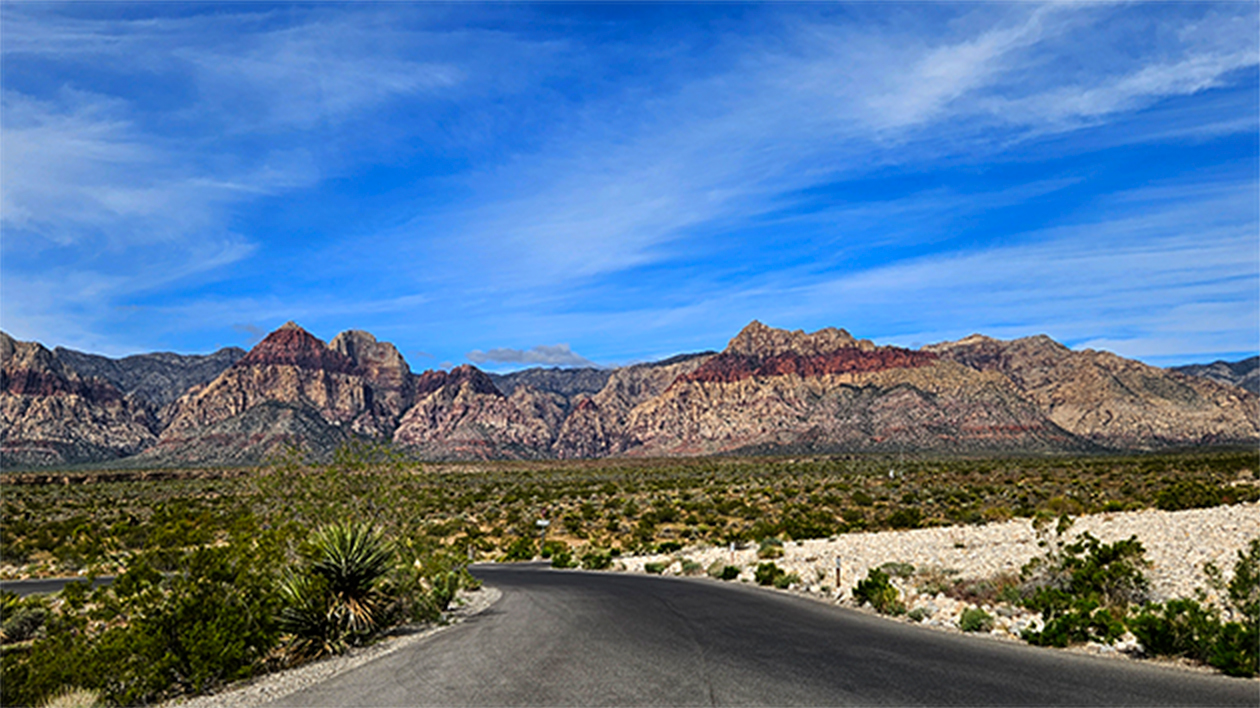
[767,390]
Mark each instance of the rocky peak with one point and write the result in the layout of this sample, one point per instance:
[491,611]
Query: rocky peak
[380,360]
[293,346]
[758,340]
[464,375]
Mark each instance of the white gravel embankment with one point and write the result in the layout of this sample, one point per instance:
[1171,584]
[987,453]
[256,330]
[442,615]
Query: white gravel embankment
[1177,544]
[271,687]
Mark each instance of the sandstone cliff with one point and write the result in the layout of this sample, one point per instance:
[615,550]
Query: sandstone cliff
[773,390]
[50,415]
[1114,402]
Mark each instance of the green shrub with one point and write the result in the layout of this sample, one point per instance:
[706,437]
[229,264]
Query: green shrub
[1177,628]
[1082,589]
[597,559]
[668,547]
[522,549]
[21,618]
[770,548]
[655,568]
[905,518]
[897,569]
[335,601]
[767,573]
[1188,494]
[918,614]
[563,559]
[975,619]
[721,571]
[879,592]
[690,567]
[786,580]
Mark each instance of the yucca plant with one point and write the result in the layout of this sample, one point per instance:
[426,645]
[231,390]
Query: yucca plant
[352,559]
[336,601]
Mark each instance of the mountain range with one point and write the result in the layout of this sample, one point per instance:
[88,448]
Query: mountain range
[769,391]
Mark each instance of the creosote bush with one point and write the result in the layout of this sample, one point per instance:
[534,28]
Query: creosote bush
[879,592]
[974,619]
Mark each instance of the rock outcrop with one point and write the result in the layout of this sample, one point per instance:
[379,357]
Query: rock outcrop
[359,386]
[777,391]
[1244,374]
[769,391]
[1111,401]
[50,415]
[158,378]
[460,414]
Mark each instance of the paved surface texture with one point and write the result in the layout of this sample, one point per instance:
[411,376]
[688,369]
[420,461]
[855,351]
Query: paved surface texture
[47,586]
[593,639]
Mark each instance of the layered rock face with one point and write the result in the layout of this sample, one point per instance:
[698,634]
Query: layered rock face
[49,414]
[1244,374]
[324,393]
[157,378]
[1114,402]
[461,414]
[769,391]
[773,390]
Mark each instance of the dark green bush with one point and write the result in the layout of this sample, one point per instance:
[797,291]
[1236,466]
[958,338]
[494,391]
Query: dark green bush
[1177,628]
[655,568]
[1083,589]
[1188,494]
[522,549]
[690,567]
[597,559]
[767,573]
[975,619]
[909,517]
[879,592]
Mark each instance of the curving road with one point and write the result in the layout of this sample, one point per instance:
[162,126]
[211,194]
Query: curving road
[594,639]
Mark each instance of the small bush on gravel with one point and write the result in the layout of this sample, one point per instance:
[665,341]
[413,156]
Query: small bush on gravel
[880,593]
[655,568]
[770,548]
[975,619]
[918,614]
[897,569]
[597,559]
[563,559]
[690,567]
[1082,589]
[767,573]
[729,572]
[1185,628]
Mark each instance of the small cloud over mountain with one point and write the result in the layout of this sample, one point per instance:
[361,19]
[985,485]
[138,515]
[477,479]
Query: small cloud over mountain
[253,333]
[543,354]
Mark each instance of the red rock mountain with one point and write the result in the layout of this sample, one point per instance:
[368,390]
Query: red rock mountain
[50,415]
[768,391]
[1112,401]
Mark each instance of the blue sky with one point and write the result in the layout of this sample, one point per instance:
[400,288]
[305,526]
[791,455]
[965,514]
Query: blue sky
[527,183]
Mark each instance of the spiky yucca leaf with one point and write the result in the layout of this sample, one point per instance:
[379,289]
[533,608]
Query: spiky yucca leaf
[309,618]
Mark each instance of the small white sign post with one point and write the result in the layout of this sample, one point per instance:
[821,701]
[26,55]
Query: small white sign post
[542,525]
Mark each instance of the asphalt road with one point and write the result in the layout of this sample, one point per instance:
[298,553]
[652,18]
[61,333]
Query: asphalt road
[45,586]
[594,639]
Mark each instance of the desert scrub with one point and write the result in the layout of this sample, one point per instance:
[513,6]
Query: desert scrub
[655,568]
[690,567]
[974,619]
[597,559]
[1186,628]
[879,592]
[770,548]
[722,571]
[1082,589]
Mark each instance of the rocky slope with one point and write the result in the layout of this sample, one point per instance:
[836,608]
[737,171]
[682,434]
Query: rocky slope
[1111,401]
[50,415]
[317,396]
[565,382]
[158,378]
[769,391]
[772,390]
[1244,374]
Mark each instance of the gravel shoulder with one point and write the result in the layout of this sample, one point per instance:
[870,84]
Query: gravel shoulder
[262,690]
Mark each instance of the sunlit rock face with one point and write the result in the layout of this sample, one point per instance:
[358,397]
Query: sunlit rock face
[50,415]
[1111,401]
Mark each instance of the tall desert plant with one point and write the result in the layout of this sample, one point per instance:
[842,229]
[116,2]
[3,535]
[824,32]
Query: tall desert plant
[336,601]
